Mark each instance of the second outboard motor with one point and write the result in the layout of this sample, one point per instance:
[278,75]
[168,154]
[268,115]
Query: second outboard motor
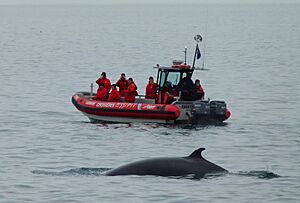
[218,108]
[208,111]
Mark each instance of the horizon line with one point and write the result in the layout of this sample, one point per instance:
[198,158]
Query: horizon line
[147,3]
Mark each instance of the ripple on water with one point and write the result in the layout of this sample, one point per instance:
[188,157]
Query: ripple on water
[259,174]
[74,172]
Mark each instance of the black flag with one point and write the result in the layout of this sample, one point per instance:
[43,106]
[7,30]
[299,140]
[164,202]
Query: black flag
[198,52]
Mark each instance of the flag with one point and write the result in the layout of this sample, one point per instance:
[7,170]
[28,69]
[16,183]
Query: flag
[198,52]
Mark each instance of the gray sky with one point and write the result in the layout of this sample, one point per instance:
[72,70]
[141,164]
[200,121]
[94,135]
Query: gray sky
[141,1]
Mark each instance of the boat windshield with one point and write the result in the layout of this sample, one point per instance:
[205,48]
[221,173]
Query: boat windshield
[172,80]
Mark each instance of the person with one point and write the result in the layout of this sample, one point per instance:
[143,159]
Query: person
[101,93]
[187,88]
[151,89]
[186,83]
[105,81]
[114,95]
[200,90]
[122,83]
[131,91]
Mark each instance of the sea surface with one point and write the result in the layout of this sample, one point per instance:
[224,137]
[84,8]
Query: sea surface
[50,152]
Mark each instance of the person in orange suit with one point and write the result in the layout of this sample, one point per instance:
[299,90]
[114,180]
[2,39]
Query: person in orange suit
[151,89]
[200,90]
[101,93]
[105,81]
[131,91]
[122,84]
[114,95]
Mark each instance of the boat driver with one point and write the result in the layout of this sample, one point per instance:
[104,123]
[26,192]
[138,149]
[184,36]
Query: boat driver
[187,88]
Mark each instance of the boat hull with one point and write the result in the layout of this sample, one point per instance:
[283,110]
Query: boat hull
[123,111]
[112,119]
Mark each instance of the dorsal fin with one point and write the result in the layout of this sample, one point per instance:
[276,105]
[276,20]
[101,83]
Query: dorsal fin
[197,153]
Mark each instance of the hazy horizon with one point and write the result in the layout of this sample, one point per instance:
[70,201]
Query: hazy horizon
[76,2]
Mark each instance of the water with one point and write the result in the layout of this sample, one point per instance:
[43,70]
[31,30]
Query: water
[51,153]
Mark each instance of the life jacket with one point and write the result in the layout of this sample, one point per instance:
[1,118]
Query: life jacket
[114,96]
[200,89]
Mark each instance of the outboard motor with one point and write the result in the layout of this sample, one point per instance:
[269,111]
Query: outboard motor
[200,111]
[218,108]
[208,111]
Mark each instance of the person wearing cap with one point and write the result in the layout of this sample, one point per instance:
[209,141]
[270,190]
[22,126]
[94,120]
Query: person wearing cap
[151,89]
[122,84]
[131,91]
[105,81]
[114,95]
[101,93]
[200,90]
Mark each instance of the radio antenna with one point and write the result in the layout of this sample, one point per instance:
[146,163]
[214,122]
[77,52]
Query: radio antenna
[205,31]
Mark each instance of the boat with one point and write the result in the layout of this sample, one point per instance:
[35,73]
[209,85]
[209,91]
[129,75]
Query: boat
[172,104]
[123,111]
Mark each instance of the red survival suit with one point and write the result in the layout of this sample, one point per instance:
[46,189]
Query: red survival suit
[131,93]
[105,82]
[101,95]
[123,85]
[114,96]
[151,91]
[200,91]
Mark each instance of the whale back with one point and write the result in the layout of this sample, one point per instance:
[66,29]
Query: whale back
[169,166]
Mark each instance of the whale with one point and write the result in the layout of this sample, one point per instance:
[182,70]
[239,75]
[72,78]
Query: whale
[194,164]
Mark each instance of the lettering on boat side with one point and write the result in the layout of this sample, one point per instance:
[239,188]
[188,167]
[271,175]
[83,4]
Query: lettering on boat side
[122,105]
[125,105]
[91,103]
[149,107]
[105,105]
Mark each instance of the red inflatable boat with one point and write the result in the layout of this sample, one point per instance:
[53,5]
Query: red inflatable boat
[123,111]
[176,100]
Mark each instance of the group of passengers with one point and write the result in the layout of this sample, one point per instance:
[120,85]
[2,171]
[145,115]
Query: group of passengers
[128,89]
[108,92]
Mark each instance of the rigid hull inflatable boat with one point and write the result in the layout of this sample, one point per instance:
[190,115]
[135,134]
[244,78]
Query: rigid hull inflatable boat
[171,105]
[124,111]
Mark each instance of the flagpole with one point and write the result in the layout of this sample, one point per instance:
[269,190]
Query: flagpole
[193,67]
[198,39]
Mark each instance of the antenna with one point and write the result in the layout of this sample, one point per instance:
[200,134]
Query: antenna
[205,31]
[185,50]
